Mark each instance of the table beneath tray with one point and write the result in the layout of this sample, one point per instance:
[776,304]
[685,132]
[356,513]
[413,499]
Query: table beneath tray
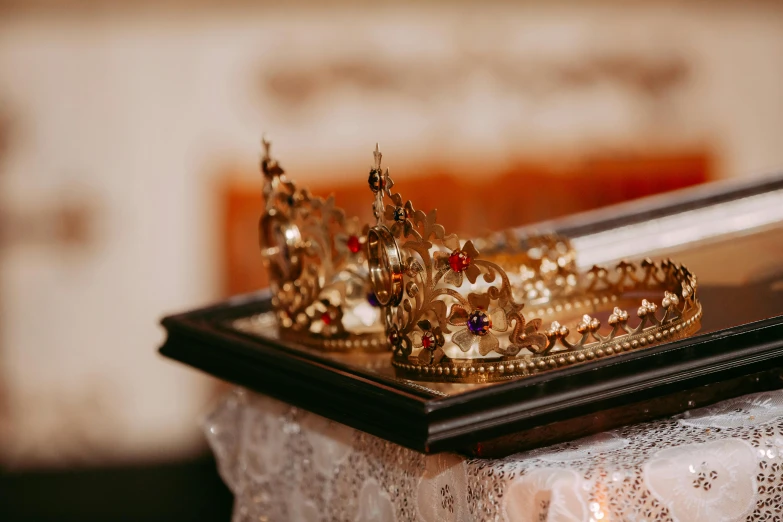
[722,462]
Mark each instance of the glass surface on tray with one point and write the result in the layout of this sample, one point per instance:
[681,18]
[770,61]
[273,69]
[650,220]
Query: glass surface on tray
[740,281]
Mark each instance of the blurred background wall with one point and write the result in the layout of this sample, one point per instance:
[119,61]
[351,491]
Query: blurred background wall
[129,141]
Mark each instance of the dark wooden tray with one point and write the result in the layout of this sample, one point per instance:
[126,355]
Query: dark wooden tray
[486,420]
[739,350]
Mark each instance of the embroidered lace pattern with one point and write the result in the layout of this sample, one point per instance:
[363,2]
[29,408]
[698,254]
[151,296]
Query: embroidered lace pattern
[724,462]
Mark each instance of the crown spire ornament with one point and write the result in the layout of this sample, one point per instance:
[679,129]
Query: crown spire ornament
[454,314]
[316,259]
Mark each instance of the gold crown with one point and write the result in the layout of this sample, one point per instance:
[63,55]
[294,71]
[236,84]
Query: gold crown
[316,259]
[455,315]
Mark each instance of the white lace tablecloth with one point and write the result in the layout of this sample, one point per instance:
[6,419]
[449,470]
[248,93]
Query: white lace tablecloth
[719,463]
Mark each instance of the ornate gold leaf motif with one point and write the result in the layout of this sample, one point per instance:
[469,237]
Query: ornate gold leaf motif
[316,260]
[437,310]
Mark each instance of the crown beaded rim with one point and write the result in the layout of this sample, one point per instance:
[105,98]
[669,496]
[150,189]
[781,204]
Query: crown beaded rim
[441,295]
[316,260]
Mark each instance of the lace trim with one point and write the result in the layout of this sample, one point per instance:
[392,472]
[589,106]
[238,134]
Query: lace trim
[724,462]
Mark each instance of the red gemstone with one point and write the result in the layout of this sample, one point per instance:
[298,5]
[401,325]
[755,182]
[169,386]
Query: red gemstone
[428,340]
[326,317]
[394,337]
[353,244]
[459,261]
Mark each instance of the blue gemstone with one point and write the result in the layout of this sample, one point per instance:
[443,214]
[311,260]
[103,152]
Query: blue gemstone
[479,322]
[373,300]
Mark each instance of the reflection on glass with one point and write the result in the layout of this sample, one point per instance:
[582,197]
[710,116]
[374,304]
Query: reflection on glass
[740,277]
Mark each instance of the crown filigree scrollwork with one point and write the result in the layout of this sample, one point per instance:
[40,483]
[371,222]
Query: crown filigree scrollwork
[540,266]
[316,259]
[601,287]
[454,314]
[409,245]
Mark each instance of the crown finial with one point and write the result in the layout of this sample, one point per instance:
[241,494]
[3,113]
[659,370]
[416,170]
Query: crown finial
[271,168]
[377,155]
[379,182]
[267,145]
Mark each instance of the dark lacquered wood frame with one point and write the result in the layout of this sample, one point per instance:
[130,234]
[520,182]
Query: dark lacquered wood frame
[511,416]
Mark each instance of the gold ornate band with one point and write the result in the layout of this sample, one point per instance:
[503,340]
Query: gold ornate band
[670,311]
[453,314]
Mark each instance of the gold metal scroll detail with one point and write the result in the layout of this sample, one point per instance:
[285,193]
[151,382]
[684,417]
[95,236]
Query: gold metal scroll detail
[452,295]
